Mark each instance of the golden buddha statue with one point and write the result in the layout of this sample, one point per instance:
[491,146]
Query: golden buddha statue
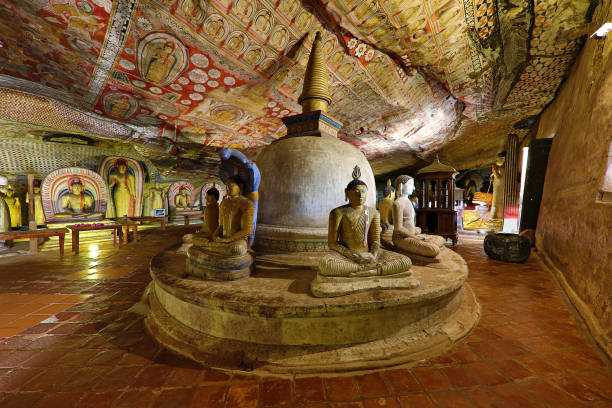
[14,206]
[354,238]
[236,214]
[386,206]
[182,201]
[407,238]
[497,177]
[5,217]
[224,255]
[124,191]
[157,195]
[76,202]
[39,214]
[211,213]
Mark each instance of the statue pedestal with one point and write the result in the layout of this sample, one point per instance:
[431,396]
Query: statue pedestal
[270,322]
[206,265]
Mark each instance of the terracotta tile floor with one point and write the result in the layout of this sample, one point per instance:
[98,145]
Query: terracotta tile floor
[77,351]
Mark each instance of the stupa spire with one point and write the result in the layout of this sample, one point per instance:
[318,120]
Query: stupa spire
[315,91]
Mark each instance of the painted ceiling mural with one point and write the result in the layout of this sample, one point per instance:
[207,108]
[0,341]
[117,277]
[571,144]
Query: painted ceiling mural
[181,79]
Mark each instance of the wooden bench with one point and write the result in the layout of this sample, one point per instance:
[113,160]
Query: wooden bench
[35,234]
[163,220]
[78,228]
[190,216]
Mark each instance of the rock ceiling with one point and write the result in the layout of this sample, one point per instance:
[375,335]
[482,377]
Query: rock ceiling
[180,79]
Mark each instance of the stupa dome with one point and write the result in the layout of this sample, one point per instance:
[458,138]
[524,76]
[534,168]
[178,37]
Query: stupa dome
[302,180]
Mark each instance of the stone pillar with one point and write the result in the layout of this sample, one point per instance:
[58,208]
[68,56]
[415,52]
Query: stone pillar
[511,183]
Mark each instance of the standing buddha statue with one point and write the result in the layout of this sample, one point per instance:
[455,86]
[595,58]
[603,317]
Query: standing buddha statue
[497,175]
[39,214]
[124,191]
[5,217]
[14,206]
[157,195]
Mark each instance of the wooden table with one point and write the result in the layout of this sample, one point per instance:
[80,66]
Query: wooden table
[163,220]
[126,224]
[190,216]
[78,228]
[50,232]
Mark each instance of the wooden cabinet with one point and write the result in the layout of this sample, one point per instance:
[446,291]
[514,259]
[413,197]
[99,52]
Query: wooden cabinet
[436,190]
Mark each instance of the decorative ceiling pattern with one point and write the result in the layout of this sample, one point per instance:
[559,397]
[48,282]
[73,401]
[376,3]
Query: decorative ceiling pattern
[181,79]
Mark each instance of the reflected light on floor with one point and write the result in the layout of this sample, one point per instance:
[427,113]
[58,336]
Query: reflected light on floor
[94,251]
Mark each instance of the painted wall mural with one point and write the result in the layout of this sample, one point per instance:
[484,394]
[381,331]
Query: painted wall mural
[406,78]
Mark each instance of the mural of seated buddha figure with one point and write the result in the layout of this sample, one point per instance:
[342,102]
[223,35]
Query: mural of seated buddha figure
[76,202]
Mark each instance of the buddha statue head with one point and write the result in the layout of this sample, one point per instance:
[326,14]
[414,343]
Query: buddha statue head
[500,160]
[9,190]
[404,186]
[76,186]
[121,166]
[212,196]
[356,191]
[234,186]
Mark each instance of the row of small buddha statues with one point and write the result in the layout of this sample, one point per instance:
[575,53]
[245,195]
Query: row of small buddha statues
[11,207]
[220,250]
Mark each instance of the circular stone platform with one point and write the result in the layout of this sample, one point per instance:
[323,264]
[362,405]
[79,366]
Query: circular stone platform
[270,321]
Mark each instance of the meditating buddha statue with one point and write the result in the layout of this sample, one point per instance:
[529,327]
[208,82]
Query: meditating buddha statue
[211,212]
[14,206]
[224,256]
[124,191]
[407,238]
[354,241]
[497,177]
[182,201]
[385,207]
[76,202]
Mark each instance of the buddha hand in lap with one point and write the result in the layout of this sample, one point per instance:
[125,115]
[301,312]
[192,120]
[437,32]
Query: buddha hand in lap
[406,236]
[354,238]
[236,214]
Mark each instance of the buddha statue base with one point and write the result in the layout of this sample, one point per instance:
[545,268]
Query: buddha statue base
[273,324]
[206,264]
[331,286]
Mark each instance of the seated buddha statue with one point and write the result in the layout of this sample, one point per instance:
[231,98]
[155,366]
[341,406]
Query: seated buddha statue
[182,201]
[385,207]
[223,255]
[76,202]
[211,212]
[407,238]
[356,255]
